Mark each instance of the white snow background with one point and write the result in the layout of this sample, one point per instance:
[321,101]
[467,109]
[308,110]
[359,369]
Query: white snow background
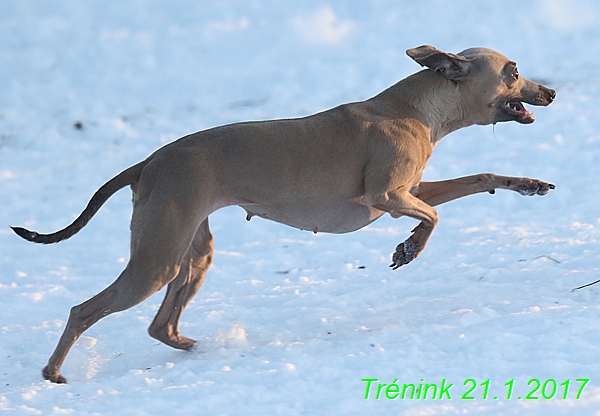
[289,323]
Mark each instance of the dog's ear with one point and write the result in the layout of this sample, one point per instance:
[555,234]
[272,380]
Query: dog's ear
[451,66]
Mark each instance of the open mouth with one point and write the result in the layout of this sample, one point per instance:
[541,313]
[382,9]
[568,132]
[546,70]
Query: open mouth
[519,112]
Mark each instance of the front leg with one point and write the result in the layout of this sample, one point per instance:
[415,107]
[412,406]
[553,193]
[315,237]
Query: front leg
[400,203]
[436,193]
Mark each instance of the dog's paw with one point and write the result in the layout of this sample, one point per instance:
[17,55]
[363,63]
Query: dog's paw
[530,187]
[405,253]
[53,376]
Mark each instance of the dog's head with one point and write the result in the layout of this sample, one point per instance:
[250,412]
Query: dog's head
[491,88]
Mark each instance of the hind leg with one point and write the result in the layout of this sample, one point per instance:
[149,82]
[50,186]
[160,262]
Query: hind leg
[180,291]
[160,238]
[119,296]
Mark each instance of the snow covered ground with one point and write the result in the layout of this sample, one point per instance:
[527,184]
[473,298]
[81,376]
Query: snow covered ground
[290,323]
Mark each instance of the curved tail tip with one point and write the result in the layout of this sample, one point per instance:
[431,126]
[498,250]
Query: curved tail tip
[26,234]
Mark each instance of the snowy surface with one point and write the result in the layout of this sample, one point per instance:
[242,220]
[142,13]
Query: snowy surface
[289,323]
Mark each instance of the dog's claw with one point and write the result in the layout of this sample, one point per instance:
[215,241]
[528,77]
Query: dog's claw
[405,253]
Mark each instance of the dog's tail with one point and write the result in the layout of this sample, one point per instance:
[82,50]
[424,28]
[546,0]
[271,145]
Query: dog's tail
[127,177]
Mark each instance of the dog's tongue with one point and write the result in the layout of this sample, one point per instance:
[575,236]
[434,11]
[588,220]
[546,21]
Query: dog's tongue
[525,116]
[528,117]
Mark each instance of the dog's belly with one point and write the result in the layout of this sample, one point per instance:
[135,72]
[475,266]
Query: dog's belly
[333,217]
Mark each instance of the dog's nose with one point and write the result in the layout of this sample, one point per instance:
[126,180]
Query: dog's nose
[550,94]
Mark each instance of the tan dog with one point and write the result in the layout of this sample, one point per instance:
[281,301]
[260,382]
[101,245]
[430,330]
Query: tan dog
[335,171]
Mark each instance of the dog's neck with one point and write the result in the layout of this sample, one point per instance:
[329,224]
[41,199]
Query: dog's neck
[435,99]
